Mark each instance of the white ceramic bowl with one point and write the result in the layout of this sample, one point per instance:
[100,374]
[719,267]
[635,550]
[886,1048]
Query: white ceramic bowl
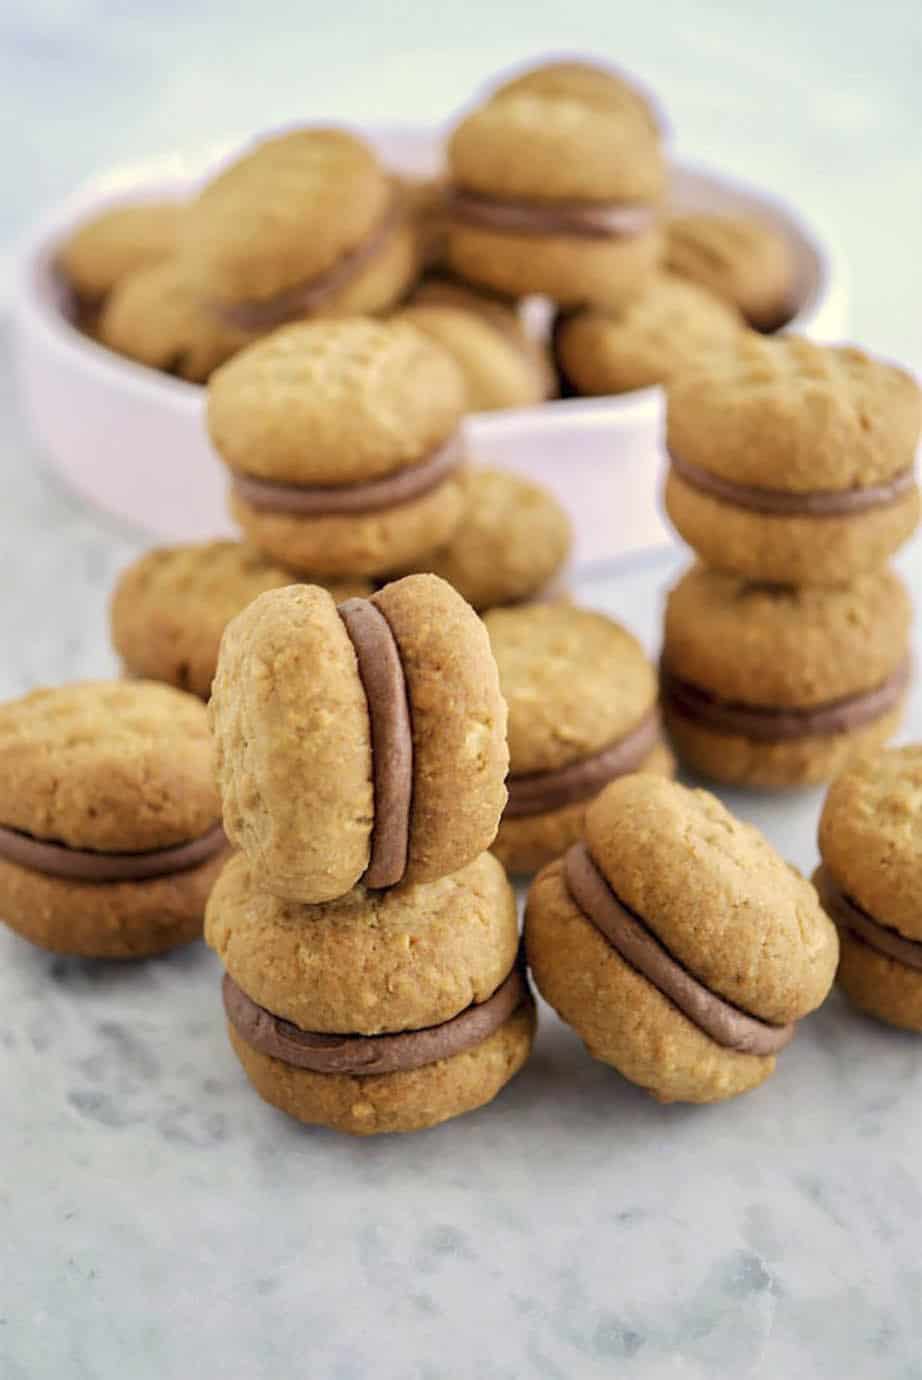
[132,441]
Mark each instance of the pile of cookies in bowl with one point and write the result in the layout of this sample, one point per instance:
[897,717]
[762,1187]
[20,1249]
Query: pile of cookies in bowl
[338,736]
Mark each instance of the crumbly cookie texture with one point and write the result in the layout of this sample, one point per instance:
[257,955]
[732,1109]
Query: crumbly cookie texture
[880,986]
[546,147]
[288,708]
[716,894]
[120,241]
[574,681]
[170,607]
[787,414]
[741,260]
[785,647]
[591,987]
[650,340]
[371,962]
[107,765]
[587,82]
[512,539]
[154,316]
[335,402]
[406,1101]
[113,920]
[870,836]
[283,213]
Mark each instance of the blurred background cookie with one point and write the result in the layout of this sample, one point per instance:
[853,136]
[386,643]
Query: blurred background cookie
[104,250]
[739,259]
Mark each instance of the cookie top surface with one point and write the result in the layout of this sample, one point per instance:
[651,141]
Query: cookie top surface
[102,251]
[783,413]
[575,682]
[113,766]
[588,82]
[871,836]
[739,258]
[716,894]
[784,646]
[283,213]
[369,962]
[335,402]
[513,539]
[548,148]
[648,341]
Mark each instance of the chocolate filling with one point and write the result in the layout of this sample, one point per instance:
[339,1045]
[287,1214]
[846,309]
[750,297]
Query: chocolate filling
[630,937]
[766,725]
[780,503]
[848,915]
[381,672]
[594,220]
[538,792]
[85,865]
[294,302]
[362,1055]
[311,500]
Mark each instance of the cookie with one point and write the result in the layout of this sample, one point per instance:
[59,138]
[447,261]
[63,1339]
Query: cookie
[510,546]
[154,317]
[170,607]
[342,439]
[390,707]
[425,199]
[871,844]
[677,943]
[502,365]
[793,462]
[581,697]
[386,1011]
[553,195]
[588,82]
[741,260]
[770,685]
[120,241]
[110,836]
[647,341]
[307,223]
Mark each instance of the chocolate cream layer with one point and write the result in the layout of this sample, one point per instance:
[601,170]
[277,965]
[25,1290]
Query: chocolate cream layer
[87,865]
[384,683]
[338,500]
[849,916]
[594,220]
[295,302]
[537,793]
[784,503]
[363,1055]
[764,724]
[636,943]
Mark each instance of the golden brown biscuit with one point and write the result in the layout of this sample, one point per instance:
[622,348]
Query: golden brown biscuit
[588,82]
[677,943]
[170,607]
[769,685]
[398,724]
[103,251]
[739,259]
[793,462]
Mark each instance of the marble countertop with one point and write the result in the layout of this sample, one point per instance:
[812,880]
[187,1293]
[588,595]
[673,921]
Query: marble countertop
[156,1219]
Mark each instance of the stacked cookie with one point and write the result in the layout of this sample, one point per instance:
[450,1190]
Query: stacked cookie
[370,941]
[786,651]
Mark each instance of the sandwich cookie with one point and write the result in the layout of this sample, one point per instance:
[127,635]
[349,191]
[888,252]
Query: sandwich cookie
[170,607]
[391,709]
[771,685]
[740,260]
[582,710]
[107,249]
[871,847]
[678,944]
[793,462]
[305,224]
[378,1012]
[588,82]
[553,195]
[342,439]
[110,835]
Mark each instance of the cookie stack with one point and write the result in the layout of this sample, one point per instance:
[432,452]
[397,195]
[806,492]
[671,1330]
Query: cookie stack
[370,941]
[791,475]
